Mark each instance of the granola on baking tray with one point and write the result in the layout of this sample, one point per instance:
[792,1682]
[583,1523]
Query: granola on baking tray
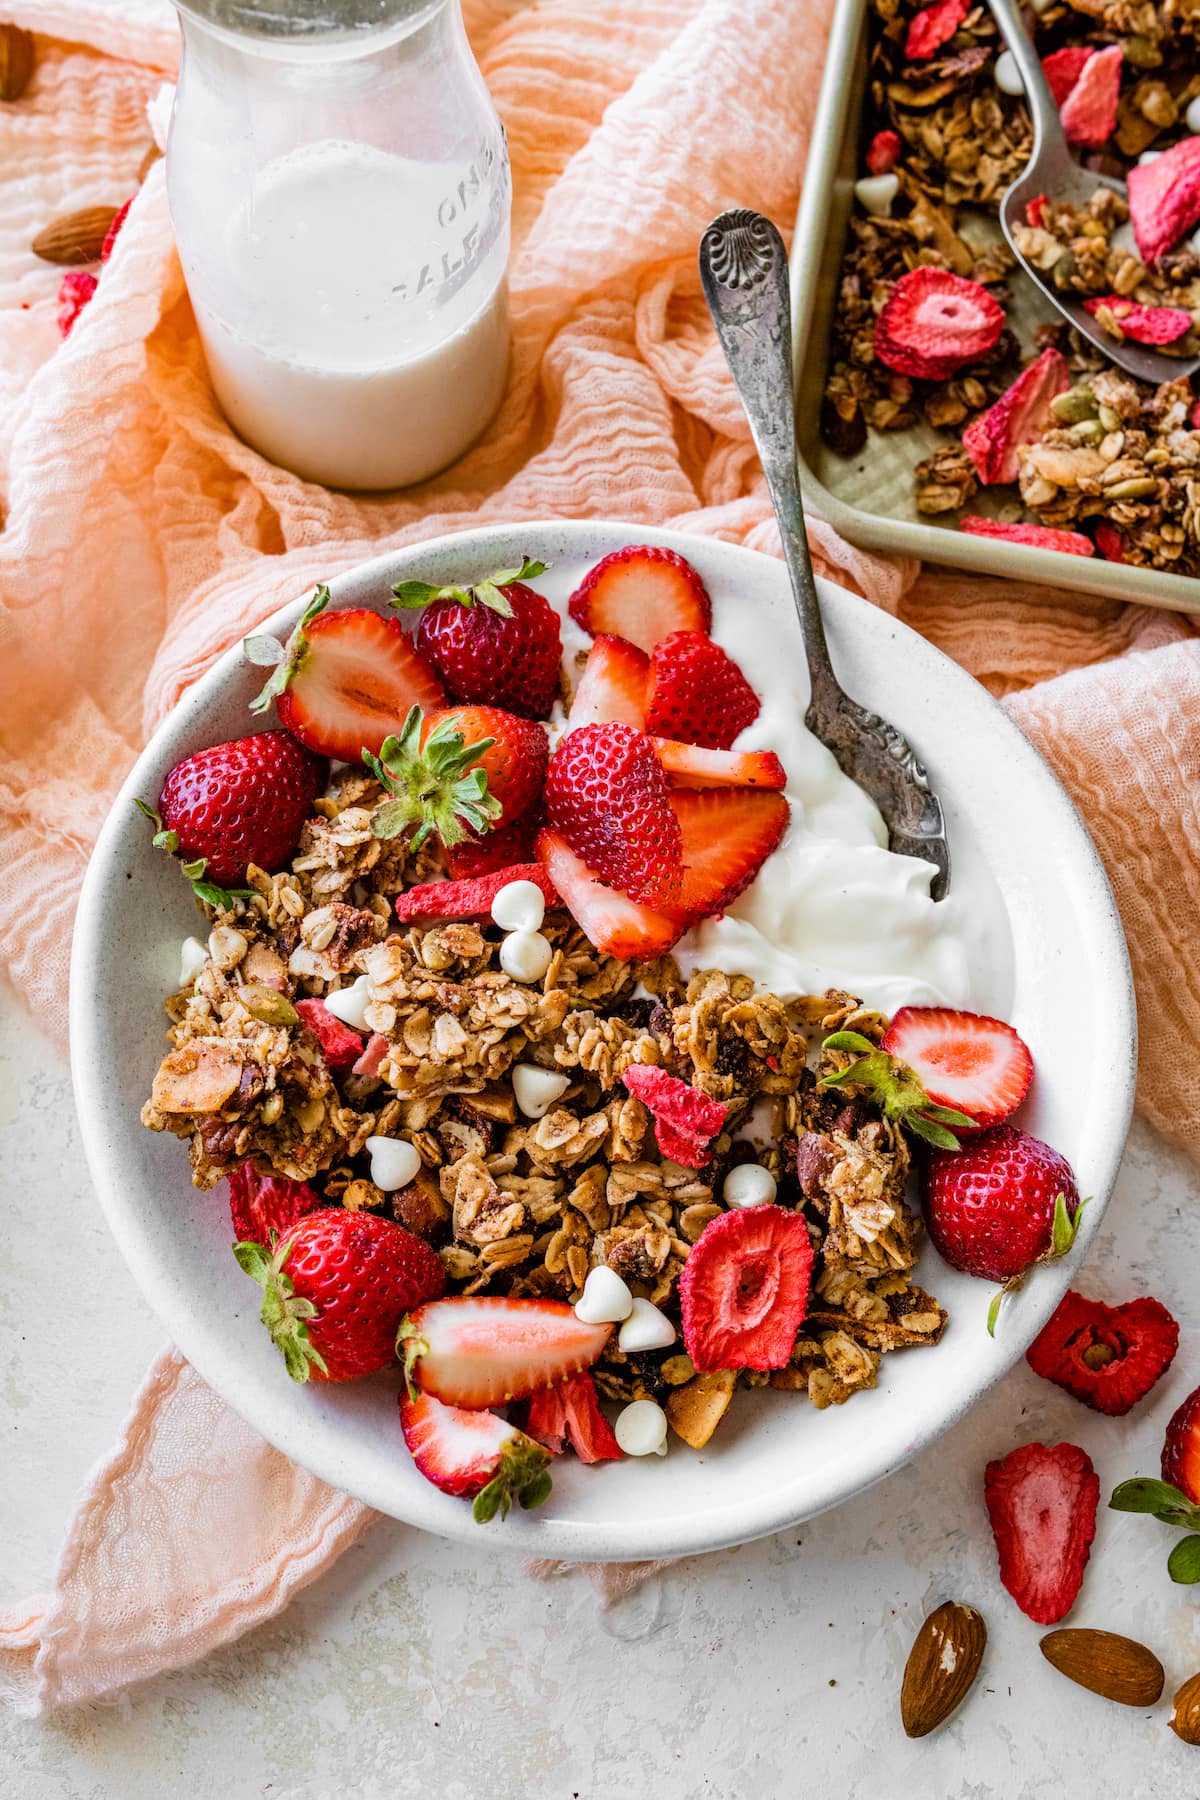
[946,132]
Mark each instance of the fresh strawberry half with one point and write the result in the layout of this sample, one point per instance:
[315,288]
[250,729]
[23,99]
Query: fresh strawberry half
[744,1289]
[934,26]
[266,1206]
[336,1288]
[1107,1356]
[691,767]
[610,920]
[236,804]
[642,594]
[571,1413]
[1089,112]
[340,1046]
[696,693]
[1164,198]
[1181,1448]
[344,681]
[933,322]
[487,1350]
[497,642]
[607,795]
[1019,416]
[963,1060]
[1041,1500]
[498,848]
[612,688]
[726,835]
[474,1454]
[515,759]
[1041,537]
[685,1120]
[434,900]
[1123,318]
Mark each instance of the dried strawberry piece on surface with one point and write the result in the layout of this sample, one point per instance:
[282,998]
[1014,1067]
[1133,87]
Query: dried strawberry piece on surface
[1107,1356]
[119,218]
[1164,198]
[1041,1501]
[883,152]
[685,1120]
[1063,68]
[933,322]
[1019,416]
[1042,537]
[1089,112]
[934,26]
[1143,324]
[75,290]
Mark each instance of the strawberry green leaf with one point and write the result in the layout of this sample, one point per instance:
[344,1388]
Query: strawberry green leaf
[922,1126]
[262,652]
[282,659]
[993,1311]
[1065,1228]
[434,786]
[1183,1564]
[522,1471]
[285,1313]
[410,1348]
[893,1087]
[1144,1494]
[850,1040]
[488,592]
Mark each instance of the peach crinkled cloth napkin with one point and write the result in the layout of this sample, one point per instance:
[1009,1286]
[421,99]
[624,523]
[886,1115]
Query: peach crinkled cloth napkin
[142,538]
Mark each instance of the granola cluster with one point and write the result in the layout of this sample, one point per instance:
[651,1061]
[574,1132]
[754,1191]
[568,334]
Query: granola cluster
[962,141]
[527,1206]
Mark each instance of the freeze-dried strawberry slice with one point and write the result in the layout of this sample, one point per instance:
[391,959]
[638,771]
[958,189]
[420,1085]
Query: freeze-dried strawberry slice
[685,1120]
[744,1289]
[934,322]
[1041,1500]
[1042,537]
[934,26]
[1089,112]
[883,153]
[1019,416]
[1144,324]
[1164,198]
[1110,542]
[340,1046]
[1035,210]
[1107,1356]
[1063,69]
[433,900]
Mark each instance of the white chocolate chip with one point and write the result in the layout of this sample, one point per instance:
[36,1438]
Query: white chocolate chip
[875,194]
[394,1162]
[350,1004]
[226,946]
[519,906]
[605,1298]
[192,958]
[1007,75]
[641,1429]
[525,955]
[536,1089]
[1191,117]
[1041,6]
[749,1184]
[645,1329]
[1147,157]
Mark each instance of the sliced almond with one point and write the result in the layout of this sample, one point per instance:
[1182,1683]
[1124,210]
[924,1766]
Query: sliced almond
[1185,1720]
[77,237]
[941,1666]
[199,1077]
[17,57]
[1116,1667]
[696,1409]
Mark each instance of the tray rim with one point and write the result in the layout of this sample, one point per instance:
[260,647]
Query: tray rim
[876,531]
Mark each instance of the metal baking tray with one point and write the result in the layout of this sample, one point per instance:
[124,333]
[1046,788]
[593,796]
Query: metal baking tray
[869,497]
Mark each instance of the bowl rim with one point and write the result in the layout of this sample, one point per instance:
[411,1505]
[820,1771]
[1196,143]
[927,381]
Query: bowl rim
[630,1538]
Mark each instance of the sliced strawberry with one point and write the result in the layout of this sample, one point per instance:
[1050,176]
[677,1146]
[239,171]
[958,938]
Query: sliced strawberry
[607,794]
[685,1120]
[689,766]
[965,1060]
[345,680]
[340,1046]
[612,688]
[1041,1500]
[1041,537]
[697,693]
[610,920]
[1089,112]
[883,153]
[933,322]
[744,1289]
[1019,416]
[1107,1356]
[1164,198]
[433,900]
[515,761]
[1181,1448]
[498,848]
[1123,318]
[642,593]
[571,1412]
[474,1454]
[1063,68]
[726,836]
[260,1205]
[487,1350]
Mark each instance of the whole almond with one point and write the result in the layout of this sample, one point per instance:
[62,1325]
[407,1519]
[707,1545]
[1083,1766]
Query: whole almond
[77,237]
[941,1666]
[16,61]
[1116,1667]
[1185,1720]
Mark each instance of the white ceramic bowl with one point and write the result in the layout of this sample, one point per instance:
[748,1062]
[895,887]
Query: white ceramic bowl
[775,1460]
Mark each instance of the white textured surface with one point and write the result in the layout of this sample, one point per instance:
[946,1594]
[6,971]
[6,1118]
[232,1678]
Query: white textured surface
[420,1667]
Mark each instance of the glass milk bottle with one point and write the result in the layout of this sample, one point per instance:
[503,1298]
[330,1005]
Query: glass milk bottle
[340,193]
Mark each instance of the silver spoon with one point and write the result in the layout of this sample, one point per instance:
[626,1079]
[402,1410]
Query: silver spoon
[744,271]
[1053,171]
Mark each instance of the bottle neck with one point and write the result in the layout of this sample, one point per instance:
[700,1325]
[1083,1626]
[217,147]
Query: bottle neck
[297,28]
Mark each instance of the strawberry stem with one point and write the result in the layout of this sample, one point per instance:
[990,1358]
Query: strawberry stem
[410,1348]
[285,1313]
[282,659]
[489,592]
[1063,1232]
[895,1088]
[433,786]
[207,891]
[522,1473]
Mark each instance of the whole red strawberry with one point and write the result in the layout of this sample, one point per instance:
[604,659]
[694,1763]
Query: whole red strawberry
[336,1288]
[496,643]
[240,803]
[607,794]
[1181,1448]
[990,1208]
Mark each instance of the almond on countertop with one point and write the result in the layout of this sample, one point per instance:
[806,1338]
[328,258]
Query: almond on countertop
[1115,1667]
[1185,1719]
[941,1666]
[76,237]
[17,57]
